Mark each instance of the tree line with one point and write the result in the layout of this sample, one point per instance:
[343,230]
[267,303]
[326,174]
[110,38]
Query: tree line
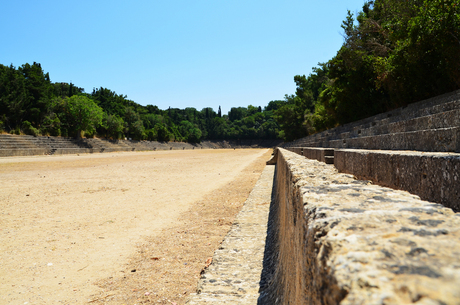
[31,104]
[394,53]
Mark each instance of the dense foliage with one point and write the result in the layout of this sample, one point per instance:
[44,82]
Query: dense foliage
[394,53]
[30,103]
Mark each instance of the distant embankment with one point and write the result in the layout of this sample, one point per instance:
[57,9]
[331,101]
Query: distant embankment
[12,145]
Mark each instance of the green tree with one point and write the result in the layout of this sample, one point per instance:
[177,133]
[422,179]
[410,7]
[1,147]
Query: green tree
[134,125]
[237,113]
[82,114]
[65,89]
[13,97]
[291,117]
[190,132]
[113,126]
[39,92]
[51,125]
[162,132]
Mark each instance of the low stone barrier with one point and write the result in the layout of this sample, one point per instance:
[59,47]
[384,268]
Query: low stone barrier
[334,239]
[325,155]
[432,176]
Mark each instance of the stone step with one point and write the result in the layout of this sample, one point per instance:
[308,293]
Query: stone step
[440,140]
[438,113]
[435,121]
[10,139]
[23,152]
[18,146]
[436,105]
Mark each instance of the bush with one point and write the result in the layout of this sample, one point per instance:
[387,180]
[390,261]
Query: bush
[151,135]
[90,133]
[28,129]
[51,126]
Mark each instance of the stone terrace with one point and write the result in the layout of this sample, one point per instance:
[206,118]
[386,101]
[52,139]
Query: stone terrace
[13,145]
[430,125]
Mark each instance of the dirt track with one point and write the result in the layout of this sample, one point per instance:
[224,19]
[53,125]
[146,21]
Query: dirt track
[73,227]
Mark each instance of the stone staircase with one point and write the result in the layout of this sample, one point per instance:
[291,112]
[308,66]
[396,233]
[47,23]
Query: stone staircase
[14,145]
[106,145]
[430,125]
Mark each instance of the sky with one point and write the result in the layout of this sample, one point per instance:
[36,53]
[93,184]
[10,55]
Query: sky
[176,53]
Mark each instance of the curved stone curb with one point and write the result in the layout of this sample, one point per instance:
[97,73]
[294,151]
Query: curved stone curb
[234,275]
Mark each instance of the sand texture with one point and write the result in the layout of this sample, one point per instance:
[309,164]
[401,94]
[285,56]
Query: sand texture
[116,228]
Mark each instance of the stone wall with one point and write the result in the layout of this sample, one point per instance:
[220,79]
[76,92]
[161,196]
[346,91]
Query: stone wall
[333,239]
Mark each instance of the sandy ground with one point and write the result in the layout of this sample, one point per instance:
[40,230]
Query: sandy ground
[116,228]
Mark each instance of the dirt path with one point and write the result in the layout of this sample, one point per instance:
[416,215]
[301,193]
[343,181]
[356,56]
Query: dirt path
[118,228]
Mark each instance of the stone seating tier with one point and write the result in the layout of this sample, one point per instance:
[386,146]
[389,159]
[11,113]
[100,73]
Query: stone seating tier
[24,145]
[431,125]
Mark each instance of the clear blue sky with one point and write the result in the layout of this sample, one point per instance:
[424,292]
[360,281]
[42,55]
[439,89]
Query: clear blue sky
[176,53]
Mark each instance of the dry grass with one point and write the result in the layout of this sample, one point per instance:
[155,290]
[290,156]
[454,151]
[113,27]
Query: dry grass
[165,269]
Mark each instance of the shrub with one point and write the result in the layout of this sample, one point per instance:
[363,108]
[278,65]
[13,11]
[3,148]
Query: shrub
[28,129]
[151,135]
[51,126]
[90,133]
